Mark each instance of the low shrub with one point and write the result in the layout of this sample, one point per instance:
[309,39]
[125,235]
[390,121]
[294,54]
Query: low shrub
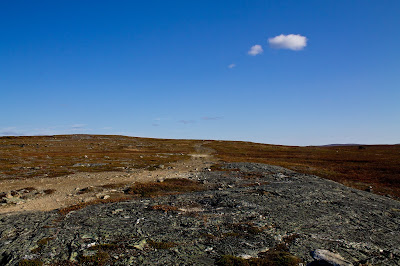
[161,245]
[171,185]
[30,263]
[100,258]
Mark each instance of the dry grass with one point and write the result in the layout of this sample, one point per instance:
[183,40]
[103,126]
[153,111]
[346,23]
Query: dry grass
[52,156]
[100,258]
[104,247]
[161,245]
[172,185]
[376,166]
[33,262]
[40,156]
[66,210]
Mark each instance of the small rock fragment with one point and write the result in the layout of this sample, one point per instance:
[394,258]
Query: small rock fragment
[330,257]
[117,211]
[141,245]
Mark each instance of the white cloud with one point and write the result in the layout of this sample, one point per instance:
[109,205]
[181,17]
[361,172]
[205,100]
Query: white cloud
[231,65]
[255,50]
[294,42]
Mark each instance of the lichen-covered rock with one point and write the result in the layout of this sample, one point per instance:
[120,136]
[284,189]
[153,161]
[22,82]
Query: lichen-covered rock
[247,213]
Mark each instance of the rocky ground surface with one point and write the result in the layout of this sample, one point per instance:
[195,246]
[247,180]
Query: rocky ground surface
[243,209]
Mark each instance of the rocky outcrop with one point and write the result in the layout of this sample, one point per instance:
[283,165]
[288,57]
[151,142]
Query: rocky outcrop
[245,210]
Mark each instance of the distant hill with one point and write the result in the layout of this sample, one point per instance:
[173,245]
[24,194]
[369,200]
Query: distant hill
[348,144]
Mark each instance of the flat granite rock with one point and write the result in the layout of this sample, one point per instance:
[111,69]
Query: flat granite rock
[241,213]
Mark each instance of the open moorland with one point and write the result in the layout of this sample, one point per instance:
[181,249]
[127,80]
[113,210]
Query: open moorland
[358,166]
[361,167]
[115,200]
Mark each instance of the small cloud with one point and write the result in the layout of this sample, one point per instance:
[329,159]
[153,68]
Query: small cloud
[186,121]
[231,65]
[211,118]
[107,128]
[155,125]
[255,50]
[294,42]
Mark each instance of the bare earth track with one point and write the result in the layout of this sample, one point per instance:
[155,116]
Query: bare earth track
[66,187]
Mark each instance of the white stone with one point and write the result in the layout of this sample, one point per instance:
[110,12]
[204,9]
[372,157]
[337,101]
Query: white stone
[330,257]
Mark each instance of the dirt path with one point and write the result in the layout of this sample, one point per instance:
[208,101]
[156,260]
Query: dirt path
[67,187]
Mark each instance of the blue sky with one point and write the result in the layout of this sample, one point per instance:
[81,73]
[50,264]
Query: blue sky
[329,71]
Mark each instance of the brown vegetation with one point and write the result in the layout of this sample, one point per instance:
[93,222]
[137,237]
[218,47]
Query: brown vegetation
[377,166]
[372,165]
[100,258]
[34,262]
[65,211]
[172,185]
[161,245]
[51,156]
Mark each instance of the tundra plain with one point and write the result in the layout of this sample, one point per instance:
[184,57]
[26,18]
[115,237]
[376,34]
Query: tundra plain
[116,200]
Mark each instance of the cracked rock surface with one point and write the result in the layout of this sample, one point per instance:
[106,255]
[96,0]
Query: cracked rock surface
[246,209]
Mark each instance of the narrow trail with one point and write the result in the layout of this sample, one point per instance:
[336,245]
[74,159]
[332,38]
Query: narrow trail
[67,187]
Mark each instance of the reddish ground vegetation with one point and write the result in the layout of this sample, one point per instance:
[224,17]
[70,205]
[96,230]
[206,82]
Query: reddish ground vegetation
[52,156]
[66,210]
[356,166]
[172,185]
